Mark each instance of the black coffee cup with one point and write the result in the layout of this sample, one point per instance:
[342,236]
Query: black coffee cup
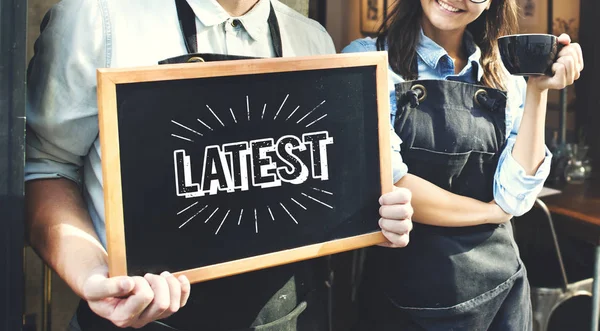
[529,54]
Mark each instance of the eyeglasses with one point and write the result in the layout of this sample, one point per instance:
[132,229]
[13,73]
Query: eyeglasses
[478,1]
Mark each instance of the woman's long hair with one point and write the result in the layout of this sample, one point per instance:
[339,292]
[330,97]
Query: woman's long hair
[401,29]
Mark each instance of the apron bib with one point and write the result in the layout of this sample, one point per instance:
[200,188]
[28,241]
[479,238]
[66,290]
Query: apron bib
[286,298]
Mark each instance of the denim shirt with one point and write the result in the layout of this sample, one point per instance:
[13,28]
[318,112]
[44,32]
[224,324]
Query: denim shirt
[80,36]
[514,191]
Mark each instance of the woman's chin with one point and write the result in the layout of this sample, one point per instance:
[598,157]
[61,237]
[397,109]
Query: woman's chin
[446,26]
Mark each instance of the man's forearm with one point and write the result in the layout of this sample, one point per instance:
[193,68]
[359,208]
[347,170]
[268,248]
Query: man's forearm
[61,231]
[435,206]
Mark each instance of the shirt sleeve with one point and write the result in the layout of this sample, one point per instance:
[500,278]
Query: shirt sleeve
[321,39]
[399,168]
[328,44]
[515,191]
[62,121]
[360,45]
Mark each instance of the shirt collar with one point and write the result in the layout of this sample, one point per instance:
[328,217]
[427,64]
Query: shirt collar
[210,13]
[431,53]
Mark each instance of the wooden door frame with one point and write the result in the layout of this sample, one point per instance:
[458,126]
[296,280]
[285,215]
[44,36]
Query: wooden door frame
[13,18]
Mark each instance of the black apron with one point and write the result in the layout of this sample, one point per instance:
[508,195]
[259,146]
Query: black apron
[291,297]
[467,278]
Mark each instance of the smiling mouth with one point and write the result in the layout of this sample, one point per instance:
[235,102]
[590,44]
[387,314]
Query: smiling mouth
[447,7]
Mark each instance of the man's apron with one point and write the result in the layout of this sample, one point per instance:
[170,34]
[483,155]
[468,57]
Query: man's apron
[468,278]
[285,298]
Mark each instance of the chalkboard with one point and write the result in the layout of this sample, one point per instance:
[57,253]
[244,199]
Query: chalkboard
[215,169]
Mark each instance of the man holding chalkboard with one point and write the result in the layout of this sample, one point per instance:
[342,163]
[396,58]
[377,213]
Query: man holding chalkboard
[64,190]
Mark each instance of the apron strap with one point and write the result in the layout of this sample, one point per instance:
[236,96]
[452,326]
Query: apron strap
[187,23]
[275,32]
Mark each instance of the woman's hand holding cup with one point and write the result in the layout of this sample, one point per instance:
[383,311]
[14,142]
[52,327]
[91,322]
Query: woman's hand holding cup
[566,69]
[550,62]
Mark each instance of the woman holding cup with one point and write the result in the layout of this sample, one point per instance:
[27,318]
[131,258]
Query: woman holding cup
[473,140]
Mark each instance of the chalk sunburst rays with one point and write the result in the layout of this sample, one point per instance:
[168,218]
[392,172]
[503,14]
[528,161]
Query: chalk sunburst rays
[268,212]
[273,211]
[188,128]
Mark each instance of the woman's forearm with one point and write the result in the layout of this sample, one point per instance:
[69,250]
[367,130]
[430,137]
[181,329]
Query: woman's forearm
[61,231]
[435,206]
[529,148]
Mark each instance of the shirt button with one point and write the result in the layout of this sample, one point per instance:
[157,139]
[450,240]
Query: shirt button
[521,196]
[235,23]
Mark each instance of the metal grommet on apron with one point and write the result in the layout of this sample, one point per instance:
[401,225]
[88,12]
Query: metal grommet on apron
[413,97]
[196,59]
[482,99]
[421,92]
[480,94]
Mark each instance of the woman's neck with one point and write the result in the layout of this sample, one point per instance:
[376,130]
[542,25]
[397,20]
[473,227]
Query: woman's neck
[451,41]
[237,8]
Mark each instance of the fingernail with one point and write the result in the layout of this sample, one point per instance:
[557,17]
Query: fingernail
[381,200]
[124,284]
[165,274]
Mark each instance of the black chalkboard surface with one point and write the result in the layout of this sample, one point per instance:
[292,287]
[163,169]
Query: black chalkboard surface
[214,169]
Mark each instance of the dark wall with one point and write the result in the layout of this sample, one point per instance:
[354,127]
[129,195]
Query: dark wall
[588,98]
[13,20]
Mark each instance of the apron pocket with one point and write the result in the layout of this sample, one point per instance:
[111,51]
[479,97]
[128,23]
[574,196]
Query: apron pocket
[451,171]
[443,267]
[472,315]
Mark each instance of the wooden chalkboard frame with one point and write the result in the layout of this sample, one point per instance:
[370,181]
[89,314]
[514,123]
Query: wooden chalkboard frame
[110,78]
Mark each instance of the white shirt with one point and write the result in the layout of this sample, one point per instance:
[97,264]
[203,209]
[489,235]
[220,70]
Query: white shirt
[80,36]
